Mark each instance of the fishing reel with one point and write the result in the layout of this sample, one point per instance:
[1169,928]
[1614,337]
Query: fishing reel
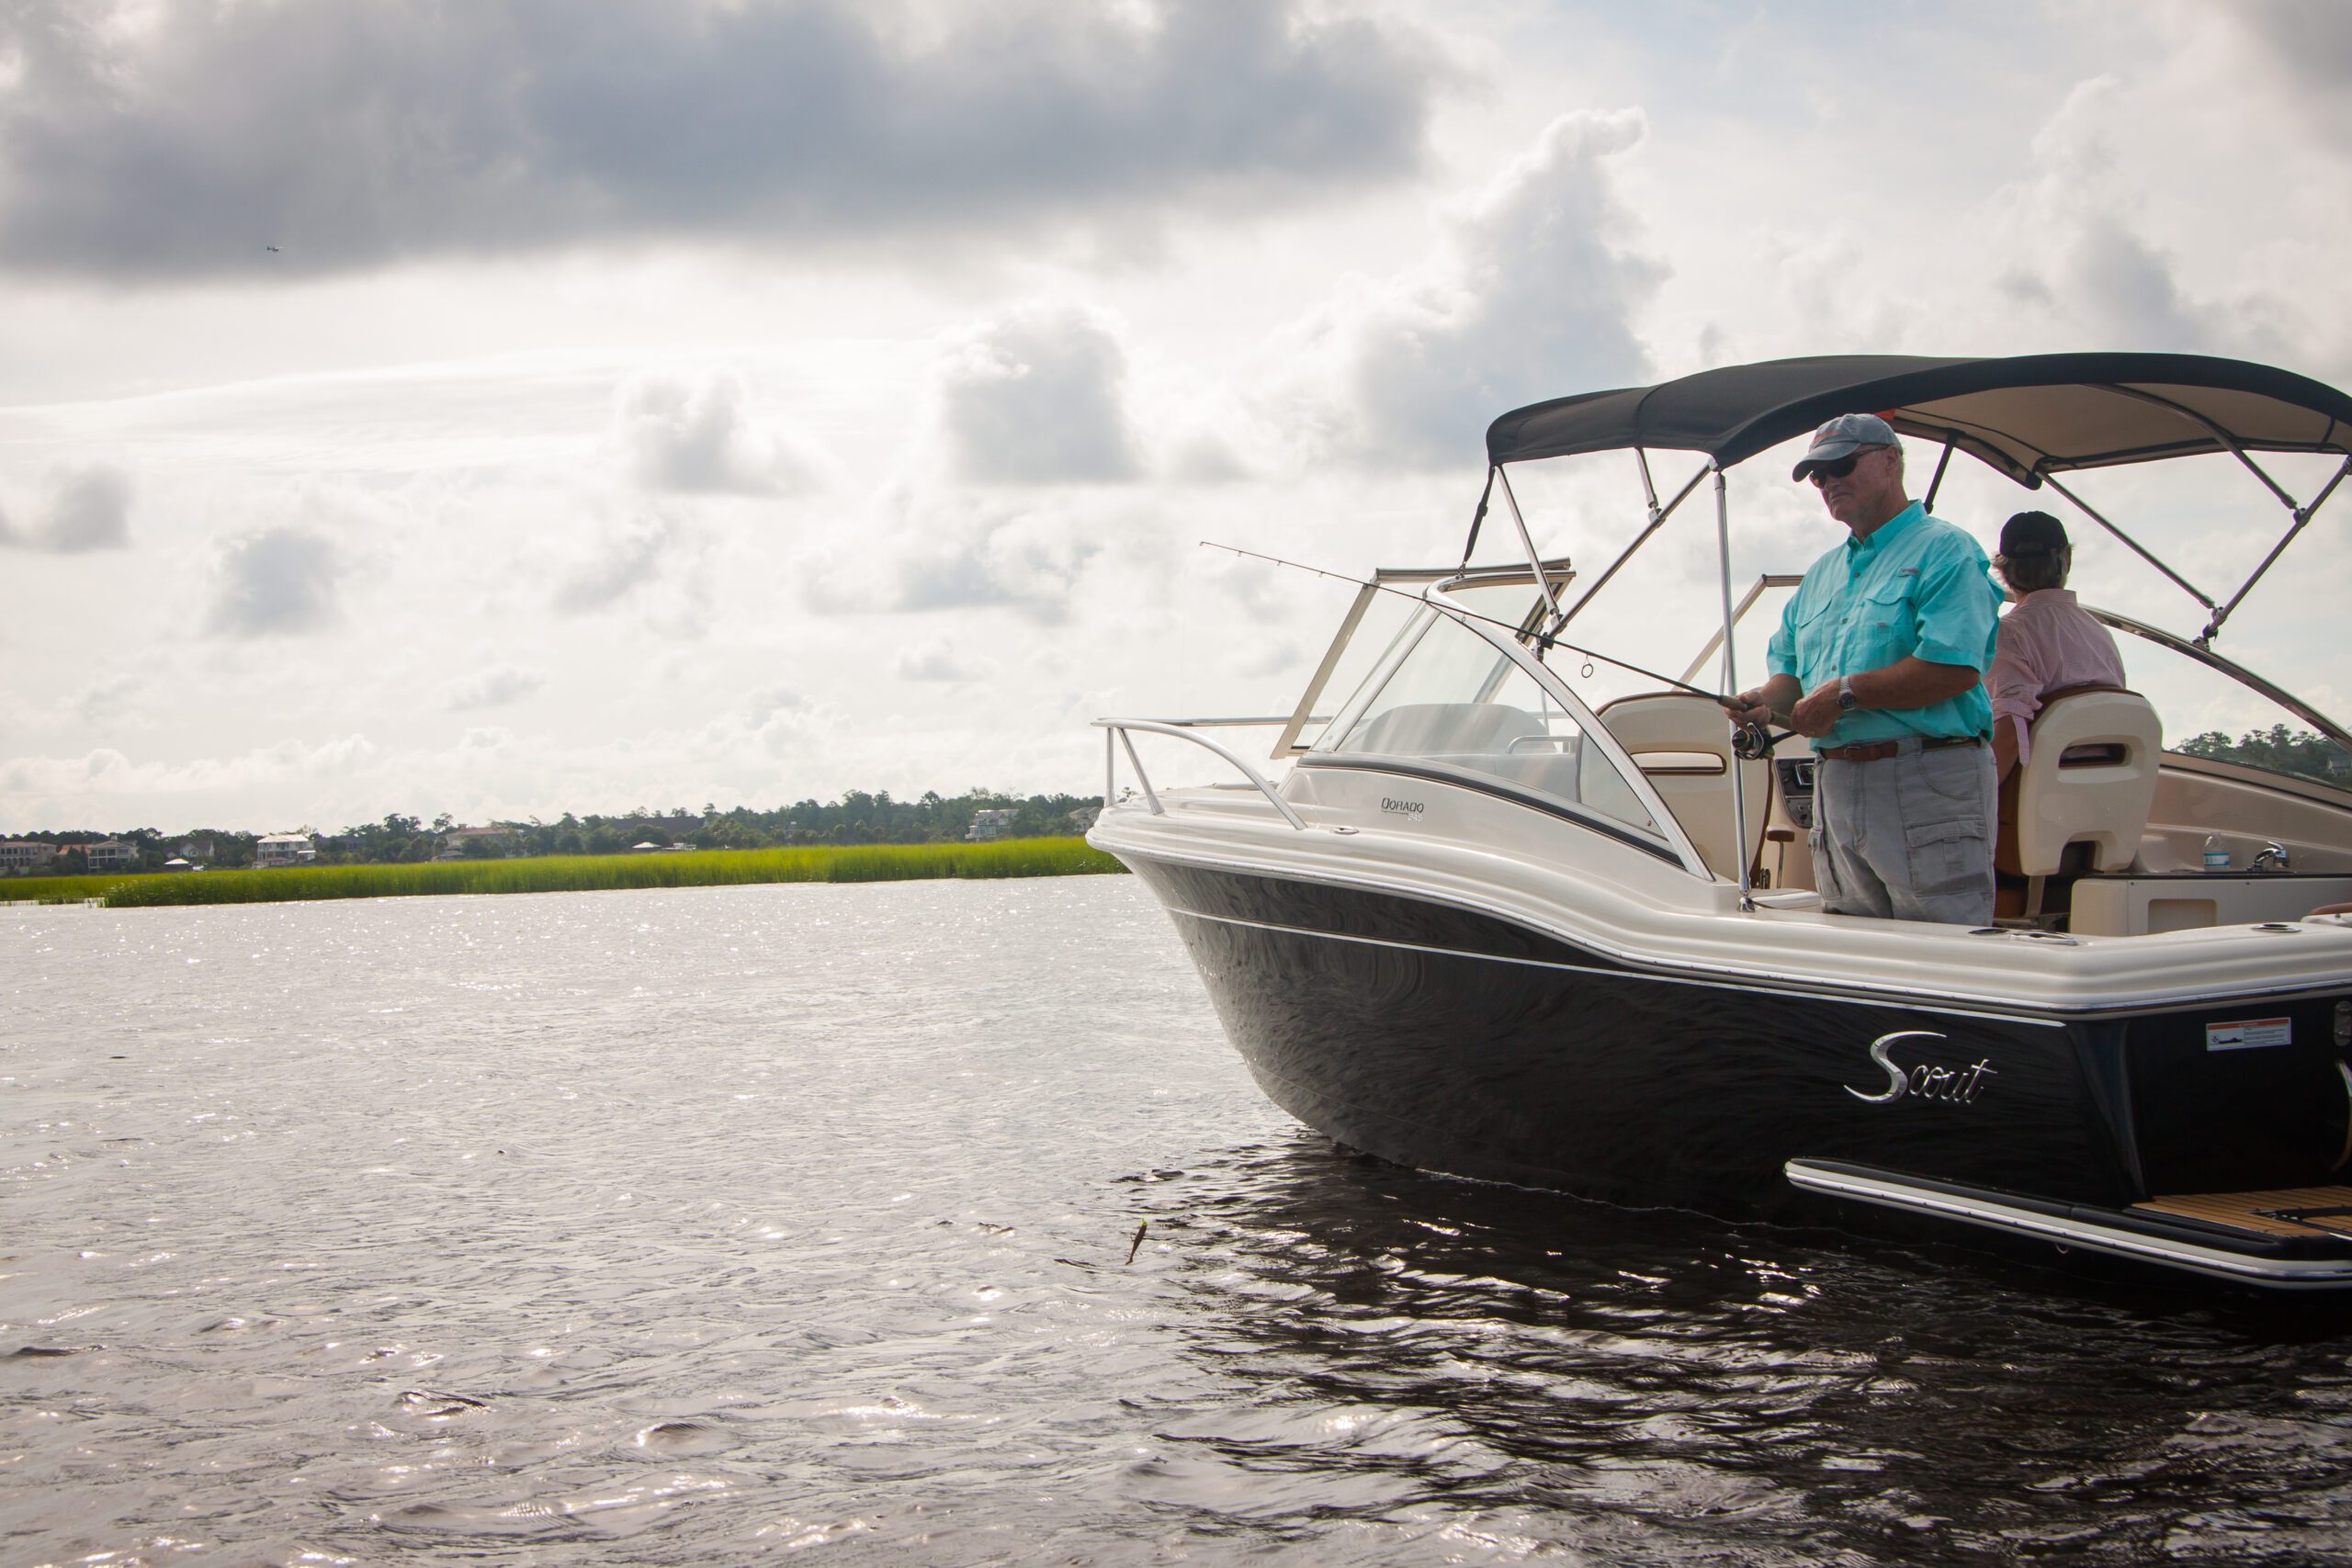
[1754,743]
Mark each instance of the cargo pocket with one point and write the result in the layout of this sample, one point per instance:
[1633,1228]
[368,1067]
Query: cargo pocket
[1947,857]
[1825,875]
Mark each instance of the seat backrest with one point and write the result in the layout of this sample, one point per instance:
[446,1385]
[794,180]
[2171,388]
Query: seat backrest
[1422,729]
[2091,781]
[1683,744]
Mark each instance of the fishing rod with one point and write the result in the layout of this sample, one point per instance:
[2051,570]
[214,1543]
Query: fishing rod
[1752,742]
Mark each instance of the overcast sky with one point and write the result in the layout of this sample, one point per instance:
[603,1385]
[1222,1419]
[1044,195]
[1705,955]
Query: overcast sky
[532,405]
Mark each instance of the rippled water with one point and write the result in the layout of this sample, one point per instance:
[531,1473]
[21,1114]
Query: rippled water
[688,1226]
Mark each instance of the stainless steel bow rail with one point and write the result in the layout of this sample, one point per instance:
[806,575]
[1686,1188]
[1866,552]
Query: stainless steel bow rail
[1115,737]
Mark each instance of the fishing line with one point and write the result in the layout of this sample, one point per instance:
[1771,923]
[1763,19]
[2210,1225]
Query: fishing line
[1752,741]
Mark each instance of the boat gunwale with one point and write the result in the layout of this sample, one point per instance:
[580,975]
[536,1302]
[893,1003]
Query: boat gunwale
[1777,982]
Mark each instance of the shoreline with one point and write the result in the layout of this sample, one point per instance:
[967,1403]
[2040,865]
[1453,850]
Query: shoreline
[574,874]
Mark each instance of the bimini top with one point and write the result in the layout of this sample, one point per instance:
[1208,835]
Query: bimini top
[2041,413]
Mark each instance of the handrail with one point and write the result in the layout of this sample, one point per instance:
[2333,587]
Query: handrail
[1116,735]
[2229,667]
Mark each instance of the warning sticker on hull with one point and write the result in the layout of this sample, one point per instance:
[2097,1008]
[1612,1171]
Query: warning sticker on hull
[2248,1034]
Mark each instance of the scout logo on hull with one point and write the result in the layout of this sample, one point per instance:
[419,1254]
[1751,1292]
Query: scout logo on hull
[1927,1080]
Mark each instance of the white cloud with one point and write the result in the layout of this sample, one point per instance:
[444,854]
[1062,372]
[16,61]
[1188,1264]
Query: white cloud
[88,508]
[1037,396]
[1031,560]
[2084,261]
[1536,286]
[106,702]
[1207,459]
[629,559]
[496,686]
[940,659]
[769,701]
[2307,46]
[108,772]
[275,581]
[924,551]
[692,433]
[162,138]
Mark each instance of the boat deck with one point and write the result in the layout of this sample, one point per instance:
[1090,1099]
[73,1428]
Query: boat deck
[2289,1212]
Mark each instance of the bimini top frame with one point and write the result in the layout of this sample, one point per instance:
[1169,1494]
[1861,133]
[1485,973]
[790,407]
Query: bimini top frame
[2030,418]
[2039,415]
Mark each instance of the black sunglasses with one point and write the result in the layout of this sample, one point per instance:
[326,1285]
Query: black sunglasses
[1841,468]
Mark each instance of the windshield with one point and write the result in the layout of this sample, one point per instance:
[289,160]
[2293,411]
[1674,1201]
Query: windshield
[2211,713]
[1390,606]
[1446,698]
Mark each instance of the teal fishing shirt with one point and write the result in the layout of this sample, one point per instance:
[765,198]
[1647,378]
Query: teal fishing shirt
[1916,586]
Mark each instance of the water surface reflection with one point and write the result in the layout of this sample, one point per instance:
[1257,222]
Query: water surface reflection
[687,1226]
[1665,1387]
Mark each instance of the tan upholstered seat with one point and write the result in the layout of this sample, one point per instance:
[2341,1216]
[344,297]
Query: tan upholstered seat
[1683,744]
[1423,729]
[2091,782]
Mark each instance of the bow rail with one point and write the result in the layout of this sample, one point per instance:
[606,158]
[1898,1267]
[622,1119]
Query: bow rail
[1115,737]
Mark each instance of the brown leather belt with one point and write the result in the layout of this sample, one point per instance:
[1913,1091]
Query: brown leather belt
[1874,750]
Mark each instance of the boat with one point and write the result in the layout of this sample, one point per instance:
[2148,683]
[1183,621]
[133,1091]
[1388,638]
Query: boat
[1493,922]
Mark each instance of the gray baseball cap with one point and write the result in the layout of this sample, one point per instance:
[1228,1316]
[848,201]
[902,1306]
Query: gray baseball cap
[1842,438]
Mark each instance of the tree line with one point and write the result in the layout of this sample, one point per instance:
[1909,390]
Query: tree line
[2302,753]
[857,817]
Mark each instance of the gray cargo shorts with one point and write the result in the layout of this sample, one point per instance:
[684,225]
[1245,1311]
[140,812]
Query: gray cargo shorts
[1909,837]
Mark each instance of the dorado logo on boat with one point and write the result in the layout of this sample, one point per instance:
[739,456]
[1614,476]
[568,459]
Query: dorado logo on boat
[1400,808]
[1927,1080]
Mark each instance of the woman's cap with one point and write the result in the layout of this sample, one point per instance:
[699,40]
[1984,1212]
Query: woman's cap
[2032,533]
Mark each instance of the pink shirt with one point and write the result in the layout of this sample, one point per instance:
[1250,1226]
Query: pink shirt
[2047,641]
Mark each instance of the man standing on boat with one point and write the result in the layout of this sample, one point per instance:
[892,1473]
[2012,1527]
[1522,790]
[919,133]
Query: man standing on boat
[1880,661]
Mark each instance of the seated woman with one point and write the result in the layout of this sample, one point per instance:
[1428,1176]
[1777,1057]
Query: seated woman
[2047,641]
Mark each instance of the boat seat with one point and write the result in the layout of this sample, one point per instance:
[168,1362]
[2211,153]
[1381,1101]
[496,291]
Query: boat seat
[1494,738]
[1431,729]
[1683,744]
[2090,783]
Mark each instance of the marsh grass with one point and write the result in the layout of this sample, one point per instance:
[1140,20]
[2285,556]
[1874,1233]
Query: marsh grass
[57,889]
[569,874]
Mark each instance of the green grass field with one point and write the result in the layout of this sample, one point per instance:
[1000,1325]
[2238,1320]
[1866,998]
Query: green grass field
[570,873]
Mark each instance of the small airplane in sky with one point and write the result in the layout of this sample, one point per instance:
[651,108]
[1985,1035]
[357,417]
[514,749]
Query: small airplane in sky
[269,247]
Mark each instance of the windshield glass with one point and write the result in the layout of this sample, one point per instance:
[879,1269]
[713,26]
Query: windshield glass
[2209,713]
[1369,639]
[1449,699]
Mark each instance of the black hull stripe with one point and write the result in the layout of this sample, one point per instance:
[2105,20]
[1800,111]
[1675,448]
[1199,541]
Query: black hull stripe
[2056,1016]
[1744,988]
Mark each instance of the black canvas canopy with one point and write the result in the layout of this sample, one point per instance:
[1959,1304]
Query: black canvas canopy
[2037,414]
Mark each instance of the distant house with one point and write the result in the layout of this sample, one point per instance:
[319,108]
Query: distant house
[990,822]
[111,855]
[26,855]
[283,849]
[197,849]
[454,841]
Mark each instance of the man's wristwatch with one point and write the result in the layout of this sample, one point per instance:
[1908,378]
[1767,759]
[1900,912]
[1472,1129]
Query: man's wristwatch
[1847,701]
